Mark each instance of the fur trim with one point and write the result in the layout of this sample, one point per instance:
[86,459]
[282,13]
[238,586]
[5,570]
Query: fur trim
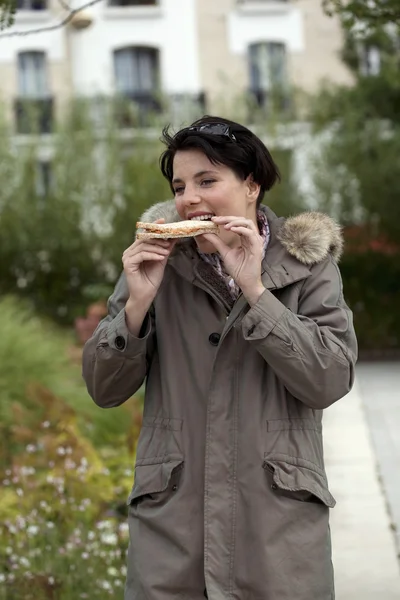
[311,236]
[162,210]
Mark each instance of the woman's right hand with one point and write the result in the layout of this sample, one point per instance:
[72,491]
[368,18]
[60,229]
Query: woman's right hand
[144,265]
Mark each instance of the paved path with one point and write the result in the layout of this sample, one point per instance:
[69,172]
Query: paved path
[380,389]
[364,550]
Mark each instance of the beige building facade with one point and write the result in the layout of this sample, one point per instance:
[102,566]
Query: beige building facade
[213,51]
[310,43]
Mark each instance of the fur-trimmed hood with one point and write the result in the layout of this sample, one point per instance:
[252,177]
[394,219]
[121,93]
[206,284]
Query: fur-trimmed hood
[310,236]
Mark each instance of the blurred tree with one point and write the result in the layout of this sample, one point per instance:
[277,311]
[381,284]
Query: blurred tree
[373,14]
[357,175]
[65,221]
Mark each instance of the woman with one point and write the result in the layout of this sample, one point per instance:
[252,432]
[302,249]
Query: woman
[243,339]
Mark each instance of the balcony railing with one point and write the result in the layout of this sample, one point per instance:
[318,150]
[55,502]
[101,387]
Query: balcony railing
[274,100]
[138,109]
[34,115]
[33,5]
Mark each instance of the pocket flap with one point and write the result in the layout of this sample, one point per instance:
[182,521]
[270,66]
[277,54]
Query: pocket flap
[296,474]
[153,478]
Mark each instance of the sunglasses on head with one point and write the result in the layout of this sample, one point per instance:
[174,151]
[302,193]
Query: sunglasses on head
[215,129]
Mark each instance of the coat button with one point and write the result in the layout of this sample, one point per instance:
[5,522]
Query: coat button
[119,342]
[214,339]
[274,486]
[174,488]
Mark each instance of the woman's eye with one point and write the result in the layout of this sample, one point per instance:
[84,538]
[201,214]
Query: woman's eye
[207,181]
[179,190]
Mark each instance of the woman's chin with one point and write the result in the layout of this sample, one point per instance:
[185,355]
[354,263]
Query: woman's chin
[205,246]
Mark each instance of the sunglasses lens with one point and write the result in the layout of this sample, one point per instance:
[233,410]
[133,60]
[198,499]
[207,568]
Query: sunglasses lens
[215,129]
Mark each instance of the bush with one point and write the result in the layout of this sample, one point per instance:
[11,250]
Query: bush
[68,211]
[66,468]
[371,287]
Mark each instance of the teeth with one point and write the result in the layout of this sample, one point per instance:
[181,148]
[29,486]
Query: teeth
[203,217]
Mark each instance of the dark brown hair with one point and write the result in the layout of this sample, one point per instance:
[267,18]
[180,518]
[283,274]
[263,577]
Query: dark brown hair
[239,149]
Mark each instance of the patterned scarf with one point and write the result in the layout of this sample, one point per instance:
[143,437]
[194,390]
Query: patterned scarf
[215,261]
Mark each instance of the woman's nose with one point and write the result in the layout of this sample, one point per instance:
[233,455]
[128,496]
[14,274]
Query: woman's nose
[190,197]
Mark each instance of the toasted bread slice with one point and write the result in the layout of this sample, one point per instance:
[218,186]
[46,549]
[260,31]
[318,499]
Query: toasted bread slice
[181,229]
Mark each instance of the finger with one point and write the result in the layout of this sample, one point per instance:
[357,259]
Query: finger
[138,244]
[245,231]
[229,222]
[137,258]
[143,257]
[216,241]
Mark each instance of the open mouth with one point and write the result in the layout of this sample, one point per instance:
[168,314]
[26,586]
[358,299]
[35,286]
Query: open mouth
[203,217]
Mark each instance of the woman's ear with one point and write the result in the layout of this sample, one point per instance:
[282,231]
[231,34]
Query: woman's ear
[253,189]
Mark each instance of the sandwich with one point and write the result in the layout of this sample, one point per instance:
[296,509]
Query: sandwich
[180,229]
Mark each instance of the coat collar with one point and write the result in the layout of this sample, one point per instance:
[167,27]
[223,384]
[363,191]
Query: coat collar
[296,244]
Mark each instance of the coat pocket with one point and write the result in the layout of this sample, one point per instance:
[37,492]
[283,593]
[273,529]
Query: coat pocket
[298,479]
[155,478]
[160,437]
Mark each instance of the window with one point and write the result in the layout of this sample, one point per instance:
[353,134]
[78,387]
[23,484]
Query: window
[137,77]
[32,75]
[34,106]
[133,2]
[136,70]
[31,4]
[268,73]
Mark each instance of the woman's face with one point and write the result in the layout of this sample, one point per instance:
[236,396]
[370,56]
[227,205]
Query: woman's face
[202,188]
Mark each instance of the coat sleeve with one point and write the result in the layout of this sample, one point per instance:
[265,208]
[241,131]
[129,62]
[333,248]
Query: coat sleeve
[314,351]
[114,363]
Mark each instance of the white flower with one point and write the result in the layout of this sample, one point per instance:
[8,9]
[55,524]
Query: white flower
[50,524]
[105,585]
[6,482]
[2,577]
[123,570]
[85,555]
[124,528]
[46,424]
[30,448]
[109,538]
[20,521]
[32,530]
[51,580]
[103,525]
[112,571]
[91,535]
[20,492]
[24,562]
[24,471]
[61,451]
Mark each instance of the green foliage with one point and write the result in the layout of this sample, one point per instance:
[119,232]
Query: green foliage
[62,242]
[357,175]
[372,288]
[66,468]
[284,198]
[35,353]
[373,14]
[7,13]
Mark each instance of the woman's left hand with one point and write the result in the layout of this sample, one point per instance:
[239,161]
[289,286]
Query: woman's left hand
[243,263]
